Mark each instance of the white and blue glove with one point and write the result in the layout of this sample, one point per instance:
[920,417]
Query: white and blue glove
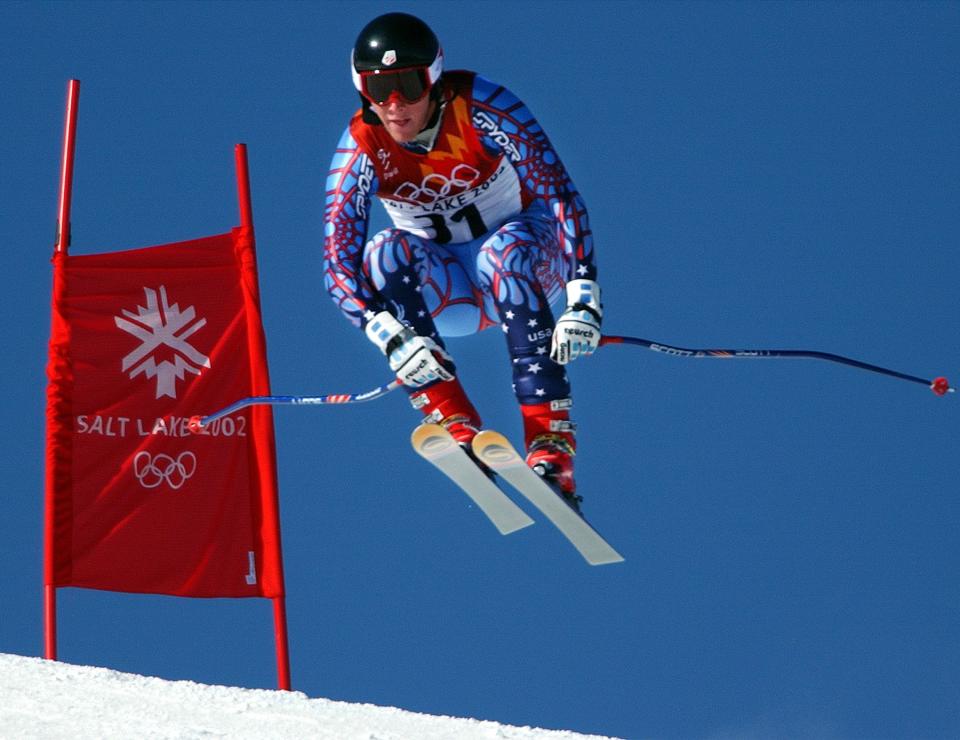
[577,332]
[415,360]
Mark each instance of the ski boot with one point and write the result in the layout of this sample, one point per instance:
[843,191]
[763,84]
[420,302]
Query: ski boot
[551,445]
[446,403]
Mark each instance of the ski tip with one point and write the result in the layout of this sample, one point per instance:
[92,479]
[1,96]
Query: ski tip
[431,439]
[494,448]
[489,436]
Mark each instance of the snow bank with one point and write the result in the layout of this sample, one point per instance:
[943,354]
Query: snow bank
[43,699]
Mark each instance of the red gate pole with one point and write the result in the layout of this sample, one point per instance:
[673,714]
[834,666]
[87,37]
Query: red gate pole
[243,186]
[280,639]
[60,249]
[279,602]
[66,170]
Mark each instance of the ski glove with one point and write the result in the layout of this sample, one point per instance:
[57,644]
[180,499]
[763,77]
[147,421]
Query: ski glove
[415,360]
[577,332]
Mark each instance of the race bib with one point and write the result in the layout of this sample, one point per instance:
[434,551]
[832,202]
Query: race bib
[458,208]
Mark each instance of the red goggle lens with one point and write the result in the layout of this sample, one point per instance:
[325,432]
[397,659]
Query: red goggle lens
[410,84]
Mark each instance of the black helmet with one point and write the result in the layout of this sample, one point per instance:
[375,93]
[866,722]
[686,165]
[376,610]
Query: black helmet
[396,41]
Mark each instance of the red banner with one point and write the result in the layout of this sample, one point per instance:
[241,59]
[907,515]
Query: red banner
[141,341]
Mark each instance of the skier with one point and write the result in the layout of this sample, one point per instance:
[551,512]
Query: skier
[488,230]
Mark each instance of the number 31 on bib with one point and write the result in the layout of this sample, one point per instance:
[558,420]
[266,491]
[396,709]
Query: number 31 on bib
[462,209]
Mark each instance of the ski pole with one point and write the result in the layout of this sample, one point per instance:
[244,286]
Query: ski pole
[940,386]
[197,423]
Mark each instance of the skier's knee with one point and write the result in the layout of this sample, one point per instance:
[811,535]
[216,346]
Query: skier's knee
[387,253]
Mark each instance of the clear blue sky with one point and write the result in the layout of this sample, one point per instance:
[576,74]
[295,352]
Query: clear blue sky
[758,174]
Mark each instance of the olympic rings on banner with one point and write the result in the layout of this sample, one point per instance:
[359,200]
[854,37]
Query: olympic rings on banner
[151,471]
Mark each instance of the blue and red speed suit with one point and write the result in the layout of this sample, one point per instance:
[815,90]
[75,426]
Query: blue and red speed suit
[488,228]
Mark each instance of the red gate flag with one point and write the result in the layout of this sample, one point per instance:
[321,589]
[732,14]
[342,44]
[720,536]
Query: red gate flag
[142,340]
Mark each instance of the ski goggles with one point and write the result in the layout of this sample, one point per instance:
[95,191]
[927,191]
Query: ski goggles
[411,84]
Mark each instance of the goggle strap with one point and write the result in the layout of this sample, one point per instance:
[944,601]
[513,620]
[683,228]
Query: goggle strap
[433,71]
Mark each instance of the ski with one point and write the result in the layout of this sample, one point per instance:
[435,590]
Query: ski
[494,450]
[435,445]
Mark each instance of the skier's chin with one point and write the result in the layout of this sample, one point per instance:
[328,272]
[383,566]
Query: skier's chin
[403,121]
[401,131]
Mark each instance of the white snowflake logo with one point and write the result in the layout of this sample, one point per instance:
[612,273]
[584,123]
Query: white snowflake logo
[156,325]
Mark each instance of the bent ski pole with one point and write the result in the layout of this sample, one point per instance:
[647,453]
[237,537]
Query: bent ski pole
[197,423]
[939,386]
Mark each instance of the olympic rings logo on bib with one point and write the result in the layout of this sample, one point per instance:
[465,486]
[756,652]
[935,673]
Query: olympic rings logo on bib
[437,185]
[461,209]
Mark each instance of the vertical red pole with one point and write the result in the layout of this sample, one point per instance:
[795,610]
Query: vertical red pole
[243,186]
[50,622]
[66,169]
[279,602]
[60,249]
[280,639]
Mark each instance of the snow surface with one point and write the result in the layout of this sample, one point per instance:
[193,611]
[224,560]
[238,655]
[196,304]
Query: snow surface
[45,699]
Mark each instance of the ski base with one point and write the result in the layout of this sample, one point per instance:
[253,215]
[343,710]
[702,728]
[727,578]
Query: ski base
[435,445]
[495,451]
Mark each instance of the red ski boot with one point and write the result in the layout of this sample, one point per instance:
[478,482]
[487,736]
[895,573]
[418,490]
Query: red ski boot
[551,445]
[446,404]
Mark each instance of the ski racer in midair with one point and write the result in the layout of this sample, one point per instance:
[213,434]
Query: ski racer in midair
[488,230]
